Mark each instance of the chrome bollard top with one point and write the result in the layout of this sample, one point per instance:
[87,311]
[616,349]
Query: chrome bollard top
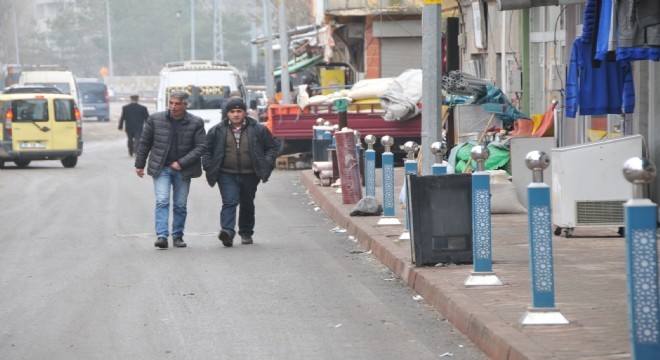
[370,140]
[439,148]
[410,147]
[387,141]
[638,170]
[320,121]
[537,160]
[479,153]
[327,123]
[335,127]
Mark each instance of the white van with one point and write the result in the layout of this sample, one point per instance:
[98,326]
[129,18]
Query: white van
[209,84]
[52,75]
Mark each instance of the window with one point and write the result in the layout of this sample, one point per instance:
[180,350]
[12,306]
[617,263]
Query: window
[30,110]
[64,110]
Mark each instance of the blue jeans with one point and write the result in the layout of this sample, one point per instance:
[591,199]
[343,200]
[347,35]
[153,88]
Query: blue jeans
[170,178]
[238,191]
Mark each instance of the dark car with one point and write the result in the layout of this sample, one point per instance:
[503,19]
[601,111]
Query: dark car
[28,89]
[95,100]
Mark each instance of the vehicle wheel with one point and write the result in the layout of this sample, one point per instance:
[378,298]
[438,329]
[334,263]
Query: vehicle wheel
[2,164]
[557,231]
[22,163]
[70,161]
[621,231]
[568,233]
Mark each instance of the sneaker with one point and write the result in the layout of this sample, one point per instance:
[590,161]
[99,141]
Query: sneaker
[226,238]
[246,239]
[161,242]
[177,241]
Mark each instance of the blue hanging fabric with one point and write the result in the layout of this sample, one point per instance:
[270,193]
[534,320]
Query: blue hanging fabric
[593,87]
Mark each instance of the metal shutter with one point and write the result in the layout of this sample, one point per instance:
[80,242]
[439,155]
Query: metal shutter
[399,54]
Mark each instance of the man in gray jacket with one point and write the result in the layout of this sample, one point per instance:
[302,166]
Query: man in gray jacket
[240,152]
[174,142]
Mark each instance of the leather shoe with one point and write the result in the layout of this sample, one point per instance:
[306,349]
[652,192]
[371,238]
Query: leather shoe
[246,239]
[177,241]
[226,238]
[161,242]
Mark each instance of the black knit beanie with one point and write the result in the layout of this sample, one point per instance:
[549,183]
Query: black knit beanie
[235,103]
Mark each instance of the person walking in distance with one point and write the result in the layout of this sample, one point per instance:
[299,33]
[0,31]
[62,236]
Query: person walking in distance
[134,115]
[174,142]
[240,152]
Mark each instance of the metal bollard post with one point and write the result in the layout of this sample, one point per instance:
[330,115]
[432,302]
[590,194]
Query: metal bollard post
[482,274]
[642,262]
[388,217]
[439,149]
[543,310]
[370,171]
[410,167]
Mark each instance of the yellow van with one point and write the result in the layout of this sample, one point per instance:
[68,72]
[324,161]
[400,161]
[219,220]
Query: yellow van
[39,127]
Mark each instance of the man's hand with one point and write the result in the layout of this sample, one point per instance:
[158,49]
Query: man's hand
[176,166]
[139,172]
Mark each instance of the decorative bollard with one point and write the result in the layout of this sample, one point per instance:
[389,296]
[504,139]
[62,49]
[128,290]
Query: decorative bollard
[439,149]
[483,274]
[388,217]
[347,160]
[370,166]
[543,310]
[410,167]
[642,262]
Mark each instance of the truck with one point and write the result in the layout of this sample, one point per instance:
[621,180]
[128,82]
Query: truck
[208,82]
[293,126]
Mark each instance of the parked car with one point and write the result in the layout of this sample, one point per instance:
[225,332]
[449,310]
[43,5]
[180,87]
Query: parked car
[95,99]
[39,127]
[26,89]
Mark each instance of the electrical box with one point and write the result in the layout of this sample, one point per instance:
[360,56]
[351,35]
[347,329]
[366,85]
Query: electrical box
[588,187]
[515,81]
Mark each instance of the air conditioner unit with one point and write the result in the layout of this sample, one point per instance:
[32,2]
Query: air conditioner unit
[588,187]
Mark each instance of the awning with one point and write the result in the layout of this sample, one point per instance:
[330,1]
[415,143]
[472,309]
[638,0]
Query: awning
[302,63]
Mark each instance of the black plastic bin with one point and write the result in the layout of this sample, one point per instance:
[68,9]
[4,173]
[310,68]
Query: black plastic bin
[440,219]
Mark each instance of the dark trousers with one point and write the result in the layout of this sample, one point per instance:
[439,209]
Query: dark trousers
[238,191]
[133,141]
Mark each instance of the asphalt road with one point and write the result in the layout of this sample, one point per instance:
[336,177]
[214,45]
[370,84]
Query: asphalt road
[80,278]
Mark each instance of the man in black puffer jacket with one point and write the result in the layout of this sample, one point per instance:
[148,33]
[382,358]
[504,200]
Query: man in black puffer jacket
[174,142]
[239,153]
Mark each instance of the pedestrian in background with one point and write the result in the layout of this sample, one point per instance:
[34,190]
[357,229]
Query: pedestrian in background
[174,142]
[134,115]
[239,153]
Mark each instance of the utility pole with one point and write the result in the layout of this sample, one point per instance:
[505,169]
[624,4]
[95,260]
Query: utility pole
[253,35]
[18,56]
[110,66]
[284,55]
[431,80]
[192,29]
[218,43]
[268,63]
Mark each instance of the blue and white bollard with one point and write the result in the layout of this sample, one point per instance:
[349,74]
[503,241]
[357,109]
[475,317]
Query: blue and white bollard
[370,166]
[482,274]
[439,149]
[410,167]
[543,310]
[388,217]
[642,262]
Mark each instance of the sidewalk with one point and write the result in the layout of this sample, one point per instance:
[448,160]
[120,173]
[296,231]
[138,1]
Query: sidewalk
[590,284]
